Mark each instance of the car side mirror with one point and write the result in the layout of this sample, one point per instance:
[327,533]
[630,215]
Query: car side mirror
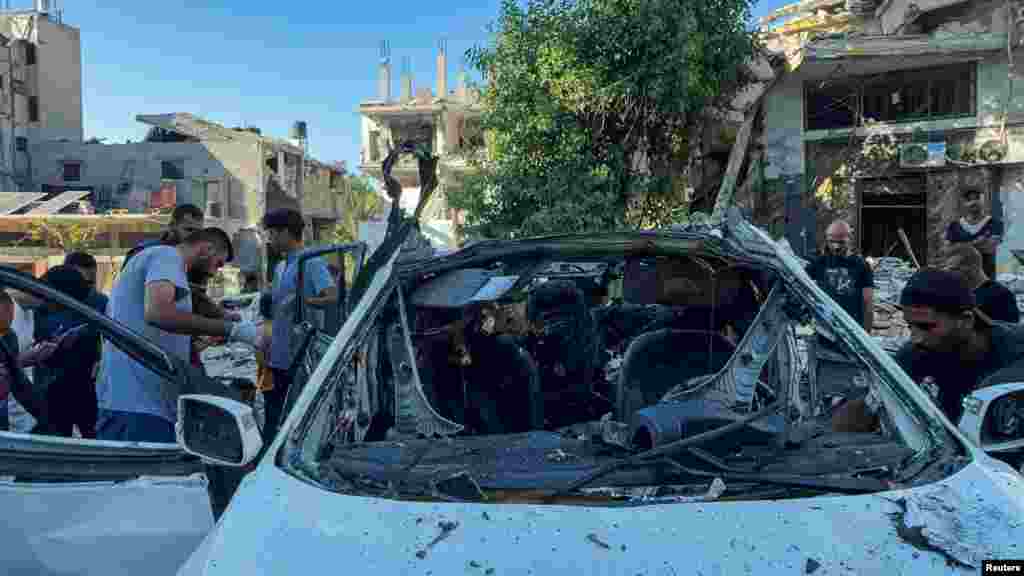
[218,430]
[993,418]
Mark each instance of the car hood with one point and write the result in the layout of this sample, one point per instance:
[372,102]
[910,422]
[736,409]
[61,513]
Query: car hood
[277,524]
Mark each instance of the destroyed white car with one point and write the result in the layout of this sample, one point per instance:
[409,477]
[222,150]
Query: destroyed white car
[614,403]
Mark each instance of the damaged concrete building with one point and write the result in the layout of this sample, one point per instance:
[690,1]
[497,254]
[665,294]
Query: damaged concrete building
[446,121]
[878,112]
[40,87]
[235,174]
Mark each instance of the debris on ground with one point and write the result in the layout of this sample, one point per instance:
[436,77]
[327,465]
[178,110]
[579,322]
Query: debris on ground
[600,543]
[446,527]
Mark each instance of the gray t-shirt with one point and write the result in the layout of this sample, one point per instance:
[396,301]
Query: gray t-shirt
[125,385]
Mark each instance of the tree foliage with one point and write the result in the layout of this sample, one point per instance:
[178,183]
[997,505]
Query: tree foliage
[587,106]
[359,203]
[68,237]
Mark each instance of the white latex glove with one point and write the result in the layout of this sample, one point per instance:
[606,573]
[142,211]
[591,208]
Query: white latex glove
[247,333]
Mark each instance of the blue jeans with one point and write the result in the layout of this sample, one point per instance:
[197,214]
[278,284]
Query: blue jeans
[134,427]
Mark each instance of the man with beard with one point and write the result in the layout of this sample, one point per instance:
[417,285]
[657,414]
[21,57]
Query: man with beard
[152,296]
[185,219]
[845,276]
[976,228]
[952,350]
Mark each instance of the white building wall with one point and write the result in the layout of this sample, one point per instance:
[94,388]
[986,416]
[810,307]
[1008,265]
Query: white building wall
[59,82]
[55,79]
[130,173]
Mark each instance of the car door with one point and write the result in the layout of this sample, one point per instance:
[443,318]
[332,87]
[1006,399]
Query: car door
[314,332]
[74,506]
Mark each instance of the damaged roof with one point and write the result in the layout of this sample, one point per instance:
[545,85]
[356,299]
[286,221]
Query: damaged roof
[206,131]
[831,48]
[841,29]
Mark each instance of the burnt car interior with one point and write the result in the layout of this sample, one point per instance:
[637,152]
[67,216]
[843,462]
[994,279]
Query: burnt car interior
[613,379]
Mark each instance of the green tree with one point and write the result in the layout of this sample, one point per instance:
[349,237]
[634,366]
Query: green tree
[587,105]
[359,203]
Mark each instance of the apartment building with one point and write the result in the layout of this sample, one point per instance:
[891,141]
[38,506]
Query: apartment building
[40,87]
[447,121]
[883,115]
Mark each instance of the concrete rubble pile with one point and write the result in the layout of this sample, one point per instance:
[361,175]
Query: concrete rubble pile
[891,275]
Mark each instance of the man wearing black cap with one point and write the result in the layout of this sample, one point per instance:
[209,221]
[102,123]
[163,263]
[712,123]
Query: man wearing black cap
[976,228]
[952,350]
[71,394]
[152,297]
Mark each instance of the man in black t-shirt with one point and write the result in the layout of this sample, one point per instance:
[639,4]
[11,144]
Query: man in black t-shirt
[952,351]
[976,228]
[993,299]
[846,277]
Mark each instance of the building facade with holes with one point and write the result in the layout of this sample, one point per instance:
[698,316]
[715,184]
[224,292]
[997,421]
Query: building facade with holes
[880,117]
[235,175]
[40,87]
[444,121]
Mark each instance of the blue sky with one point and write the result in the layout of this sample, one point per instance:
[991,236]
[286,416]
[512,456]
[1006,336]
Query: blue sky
[262,63]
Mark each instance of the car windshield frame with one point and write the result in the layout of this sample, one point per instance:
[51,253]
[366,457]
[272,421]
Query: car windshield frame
[918,424]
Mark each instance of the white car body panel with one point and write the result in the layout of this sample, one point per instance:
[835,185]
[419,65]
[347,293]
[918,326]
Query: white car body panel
[96,528]
[278,524]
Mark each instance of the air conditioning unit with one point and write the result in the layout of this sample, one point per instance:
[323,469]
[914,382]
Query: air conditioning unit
[923,155]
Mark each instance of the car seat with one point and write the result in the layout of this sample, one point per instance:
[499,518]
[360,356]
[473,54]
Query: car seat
[657,361]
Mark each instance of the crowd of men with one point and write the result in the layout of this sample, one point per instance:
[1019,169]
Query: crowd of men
[964,325]
[82,381]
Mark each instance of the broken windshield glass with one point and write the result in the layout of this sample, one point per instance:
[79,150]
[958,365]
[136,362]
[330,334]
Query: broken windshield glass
[536,376]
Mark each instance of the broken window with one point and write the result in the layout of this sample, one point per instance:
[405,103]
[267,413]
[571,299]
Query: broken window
[33,109]
[30,54]
[214,200]
[514,373]
[888,206]
[235,192]
[900,96]
[72,171]
[172,170]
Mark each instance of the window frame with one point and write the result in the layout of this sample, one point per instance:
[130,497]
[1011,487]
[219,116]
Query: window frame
[914,85]
[64,170]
